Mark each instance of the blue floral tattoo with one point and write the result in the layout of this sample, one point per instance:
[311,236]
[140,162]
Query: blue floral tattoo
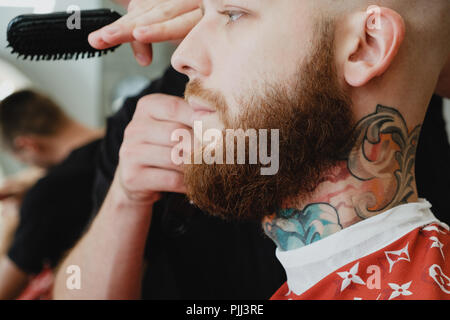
[293,228]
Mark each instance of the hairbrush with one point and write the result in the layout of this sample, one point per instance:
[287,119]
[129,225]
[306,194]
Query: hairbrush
[48,36]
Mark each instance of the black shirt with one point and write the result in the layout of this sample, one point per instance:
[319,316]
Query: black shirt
[191,255]
[433,161]
[55,212]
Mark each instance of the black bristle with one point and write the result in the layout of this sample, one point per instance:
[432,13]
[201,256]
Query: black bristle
[46,36]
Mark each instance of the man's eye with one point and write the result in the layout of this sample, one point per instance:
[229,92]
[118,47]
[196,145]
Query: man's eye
[232,15]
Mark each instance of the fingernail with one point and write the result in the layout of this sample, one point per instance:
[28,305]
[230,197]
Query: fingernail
[93,37]
[141,59]
[112,30]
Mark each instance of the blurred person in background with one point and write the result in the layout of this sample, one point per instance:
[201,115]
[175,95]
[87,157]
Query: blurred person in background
[12,191]
[52,206]
[189,254]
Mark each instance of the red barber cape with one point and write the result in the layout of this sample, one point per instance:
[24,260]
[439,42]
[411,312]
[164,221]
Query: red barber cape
[414,267]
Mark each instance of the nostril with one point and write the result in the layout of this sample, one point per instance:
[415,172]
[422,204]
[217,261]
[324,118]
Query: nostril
[184,69]
[181,66]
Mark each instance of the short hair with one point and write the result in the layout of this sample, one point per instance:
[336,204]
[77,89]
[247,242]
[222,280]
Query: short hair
[27,112]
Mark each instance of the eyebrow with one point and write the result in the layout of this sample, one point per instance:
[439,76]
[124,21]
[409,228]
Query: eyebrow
[202,6]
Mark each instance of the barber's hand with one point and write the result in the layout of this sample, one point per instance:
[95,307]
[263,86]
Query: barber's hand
[149,21]
[16,186]
[145,165]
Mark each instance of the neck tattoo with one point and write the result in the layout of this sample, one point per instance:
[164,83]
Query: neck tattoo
[377,175]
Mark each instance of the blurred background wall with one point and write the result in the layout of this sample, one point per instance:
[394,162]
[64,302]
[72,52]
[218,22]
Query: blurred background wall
[89,89]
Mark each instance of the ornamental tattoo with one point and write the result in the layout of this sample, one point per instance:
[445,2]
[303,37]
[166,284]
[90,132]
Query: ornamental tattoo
[377,175]
[389,160]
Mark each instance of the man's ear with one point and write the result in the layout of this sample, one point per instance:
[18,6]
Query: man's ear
[372,44]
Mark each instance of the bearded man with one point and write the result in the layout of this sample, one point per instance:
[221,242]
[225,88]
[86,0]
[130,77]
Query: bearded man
[348,96]
[347,86]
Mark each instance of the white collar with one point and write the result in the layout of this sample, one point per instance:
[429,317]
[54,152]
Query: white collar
[308,265]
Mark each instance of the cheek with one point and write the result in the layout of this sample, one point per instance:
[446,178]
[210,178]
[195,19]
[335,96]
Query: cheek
[249,67]
[239,78]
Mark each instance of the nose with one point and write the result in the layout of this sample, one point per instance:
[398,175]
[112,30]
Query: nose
[192,56]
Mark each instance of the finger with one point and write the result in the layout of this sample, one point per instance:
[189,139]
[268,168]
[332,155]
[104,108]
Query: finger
[96,41]
[165,108]
[145,13]
[152,156]
[115,33]
[161,180]
[174,29]
[152,132]
[118,33]
[166,10]
[142,52]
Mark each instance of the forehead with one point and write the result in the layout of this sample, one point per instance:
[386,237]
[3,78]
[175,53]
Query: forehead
[300,9]
[233,2]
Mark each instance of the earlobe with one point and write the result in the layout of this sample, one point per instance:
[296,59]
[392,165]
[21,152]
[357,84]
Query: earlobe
[375,47]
